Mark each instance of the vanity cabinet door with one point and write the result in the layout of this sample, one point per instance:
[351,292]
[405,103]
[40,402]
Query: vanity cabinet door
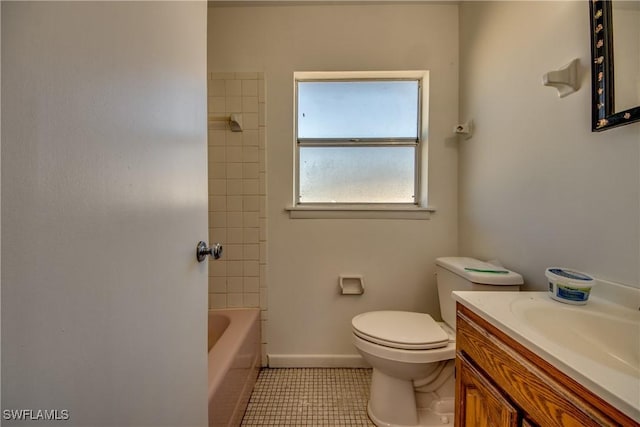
[479,403]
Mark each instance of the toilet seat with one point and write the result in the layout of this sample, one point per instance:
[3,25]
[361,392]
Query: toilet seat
[400,329]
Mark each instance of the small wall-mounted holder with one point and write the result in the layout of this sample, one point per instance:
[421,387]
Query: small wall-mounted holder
[234,121]
[564,79]
[351,284]
[465,129]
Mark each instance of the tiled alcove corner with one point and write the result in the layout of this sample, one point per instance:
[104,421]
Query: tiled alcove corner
[237,192]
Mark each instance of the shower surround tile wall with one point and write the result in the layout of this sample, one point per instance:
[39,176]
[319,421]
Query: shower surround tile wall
[237,192]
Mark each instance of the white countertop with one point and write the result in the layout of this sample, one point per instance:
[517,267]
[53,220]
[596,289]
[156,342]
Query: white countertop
[619,387]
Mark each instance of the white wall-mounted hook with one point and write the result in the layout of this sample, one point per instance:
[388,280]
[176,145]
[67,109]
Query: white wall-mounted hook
[465,129]
[564,79]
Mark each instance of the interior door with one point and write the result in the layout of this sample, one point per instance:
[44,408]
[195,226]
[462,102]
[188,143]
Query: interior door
[104,197]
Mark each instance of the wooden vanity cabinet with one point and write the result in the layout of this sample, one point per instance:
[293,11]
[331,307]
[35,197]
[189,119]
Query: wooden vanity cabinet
[499,382]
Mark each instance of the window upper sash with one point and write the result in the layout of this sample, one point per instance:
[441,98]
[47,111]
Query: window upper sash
[360,142]
[360,111]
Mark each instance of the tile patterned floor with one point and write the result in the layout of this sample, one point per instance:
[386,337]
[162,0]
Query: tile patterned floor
[310,397]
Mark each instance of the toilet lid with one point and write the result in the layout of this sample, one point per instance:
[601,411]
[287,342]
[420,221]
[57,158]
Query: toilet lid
[400,329]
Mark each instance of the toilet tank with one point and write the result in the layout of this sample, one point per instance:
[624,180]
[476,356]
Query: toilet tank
[452,274]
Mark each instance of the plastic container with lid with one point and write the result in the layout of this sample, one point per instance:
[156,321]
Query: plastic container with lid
[569,286]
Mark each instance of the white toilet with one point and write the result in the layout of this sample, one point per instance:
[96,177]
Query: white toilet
[412,355]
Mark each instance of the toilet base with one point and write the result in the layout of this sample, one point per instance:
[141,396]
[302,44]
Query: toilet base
[426,418]
[392,400]
[395,403]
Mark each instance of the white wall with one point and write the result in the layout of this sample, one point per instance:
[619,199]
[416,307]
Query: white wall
[537,187]
[305,257]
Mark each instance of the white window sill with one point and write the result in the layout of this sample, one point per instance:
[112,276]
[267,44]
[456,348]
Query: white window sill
[359,212]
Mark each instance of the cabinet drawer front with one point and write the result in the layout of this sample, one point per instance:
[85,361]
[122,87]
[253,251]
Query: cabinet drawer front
[543,399]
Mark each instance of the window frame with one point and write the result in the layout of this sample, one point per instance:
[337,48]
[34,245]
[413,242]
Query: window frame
[415,142]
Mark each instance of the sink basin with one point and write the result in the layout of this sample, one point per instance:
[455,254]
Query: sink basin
[605,333]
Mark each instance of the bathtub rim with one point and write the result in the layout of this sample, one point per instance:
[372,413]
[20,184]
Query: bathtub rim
[219,362]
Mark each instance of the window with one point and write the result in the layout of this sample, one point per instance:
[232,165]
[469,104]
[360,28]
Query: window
[358,138]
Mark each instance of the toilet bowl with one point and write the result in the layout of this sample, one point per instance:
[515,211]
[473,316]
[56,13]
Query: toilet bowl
[416,348]
[412,355]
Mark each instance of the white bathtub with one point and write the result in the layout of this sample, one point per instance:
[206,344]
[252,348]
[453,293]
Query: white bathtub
[234,362]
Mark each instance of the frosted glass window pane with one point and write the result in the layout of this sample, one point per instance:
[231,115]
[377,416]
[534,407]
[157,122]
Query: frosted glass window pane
[362,109]
[357,174]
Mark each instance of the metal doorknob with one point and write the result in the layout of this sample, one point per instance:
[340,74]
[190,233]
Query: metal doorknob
[215,251]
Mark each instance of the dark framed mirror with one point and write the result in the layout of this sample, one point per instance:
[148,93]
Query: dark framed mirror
[607,109]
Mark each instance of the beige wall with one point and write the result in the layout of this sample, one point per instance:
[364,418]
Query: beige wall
[305,257]
[537,187]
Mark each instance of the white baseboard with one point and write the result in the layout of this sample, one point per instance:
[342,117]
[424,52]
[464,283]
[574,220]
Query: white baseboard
[317,361]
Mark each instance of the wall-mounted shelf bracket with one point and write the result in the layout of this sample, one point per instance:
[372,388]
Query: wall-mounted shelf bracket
[565,80]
